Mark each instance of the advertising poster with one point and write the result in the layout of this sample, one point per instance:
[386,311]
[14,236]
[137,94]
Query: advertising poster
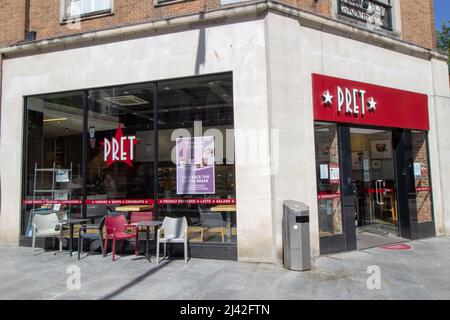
[195,165]
[334,174]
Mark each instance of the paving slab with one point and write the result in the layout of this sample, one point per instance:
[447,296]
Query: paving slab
[420,273]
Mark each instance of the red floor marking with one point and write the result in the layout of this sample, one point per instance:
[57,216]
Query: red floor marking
[399,246]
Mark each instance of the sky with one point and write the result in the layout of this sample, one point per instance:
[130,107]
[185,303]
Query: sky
[442,12]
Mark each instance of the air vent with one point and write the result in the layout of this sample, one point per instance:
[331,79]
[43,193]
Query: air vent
[129,100]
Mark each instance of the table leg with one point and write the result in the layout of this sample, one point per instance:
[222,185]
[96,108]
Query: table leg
[71,239]
[228,227]
[147,240]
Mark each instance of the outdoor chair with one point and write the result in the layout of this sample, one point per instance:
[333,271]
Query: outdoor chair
[212,222]
[116,229]
[46,224]
[173,230]
[98,235]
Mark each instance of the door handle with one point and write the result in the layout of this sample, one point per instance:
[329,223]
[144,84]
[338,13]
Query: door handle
[378,186]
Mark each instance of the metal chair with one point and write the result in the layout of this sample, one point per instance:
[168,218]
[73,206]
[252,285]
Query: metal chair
[83,234]
[173,230]
[46,224]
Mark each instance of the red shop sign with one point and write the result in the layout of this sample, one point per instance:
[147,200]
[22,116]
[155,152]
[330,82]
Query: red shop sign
[340,100]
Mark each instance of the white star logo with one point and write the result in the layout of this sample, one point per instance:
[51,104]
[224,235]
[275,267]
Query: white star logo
[372,104]
[327,97]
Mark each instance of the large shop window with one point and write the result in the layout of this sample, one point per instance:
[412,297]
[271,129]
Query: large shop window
[53,163]
[328,179]
[157,148]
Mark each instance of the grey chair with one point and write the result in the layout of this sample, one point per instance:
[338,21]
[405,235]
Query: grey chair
[46,224]
[212,222]
[98,235]
[173,230]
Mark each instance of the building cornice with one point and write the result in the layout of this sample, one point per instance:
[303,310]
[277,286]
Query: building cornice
[222,15]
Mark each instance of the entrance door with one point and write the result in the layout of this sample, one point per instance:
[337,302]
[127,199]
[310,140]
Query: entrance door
[374,185]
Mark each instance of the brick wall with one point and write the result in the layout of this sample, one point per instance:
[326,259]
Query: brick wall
[423,198]
[416,17]
[12,21]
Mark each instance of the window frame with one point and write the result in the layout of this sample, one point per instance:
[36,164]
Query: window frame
[65,18]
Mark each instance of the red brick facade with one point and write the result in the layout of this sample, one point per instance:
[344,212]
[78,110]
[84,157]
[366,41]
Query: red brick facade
[417,22]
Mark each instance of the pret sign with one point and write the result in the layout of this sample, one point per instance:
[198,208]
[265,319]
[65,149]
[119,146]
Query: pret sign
[119,148]
[341,100]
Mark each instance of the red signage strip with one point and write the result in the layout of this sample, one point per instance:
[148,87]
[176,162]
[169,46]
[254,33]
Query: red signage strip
[134,201]
[196,201]
[74,202]
[346,101]
[419,189]
[121,201]
[325,196]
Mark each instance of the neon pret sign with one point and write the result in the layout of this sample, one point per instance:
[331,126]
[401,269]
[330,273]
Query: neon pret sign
[119,148]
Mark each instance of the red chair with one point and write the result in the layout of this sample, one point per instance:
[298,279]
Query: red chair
[116,229]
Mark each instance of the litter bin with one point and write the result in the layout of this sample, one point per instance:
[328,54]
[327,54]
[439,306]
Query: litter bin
[296,251]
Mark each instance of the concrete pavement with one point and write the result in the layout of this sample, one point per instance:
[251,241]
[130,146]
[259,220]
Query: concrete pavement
[422,273]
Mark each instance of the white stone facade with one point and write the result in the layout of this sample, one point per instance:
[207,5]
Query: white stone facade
[272,59]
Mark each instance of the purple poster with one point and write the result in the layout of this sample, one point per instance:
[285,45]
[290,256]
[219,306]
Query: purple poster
[195,165]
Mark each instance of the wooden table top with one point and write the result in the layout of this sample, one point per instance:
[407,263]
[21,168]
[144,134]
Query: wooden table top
[135,207]
[224,208]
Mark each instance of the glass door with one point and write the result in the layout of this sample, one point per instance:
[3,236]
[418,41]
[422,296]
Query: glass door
[374,182]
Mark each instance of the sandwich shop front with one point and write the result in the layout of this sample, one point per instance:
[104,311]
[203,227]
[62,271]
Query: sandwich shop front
[372,164]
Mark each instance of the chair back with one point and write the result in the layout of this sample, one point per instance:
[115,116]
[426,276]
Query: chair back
[211,219]
[118,222]
[174,227]
[45,221]
[141,216]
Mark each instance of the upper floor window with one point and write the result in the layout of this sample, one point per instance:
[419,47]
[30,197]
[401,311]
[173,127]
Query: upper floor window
[85,8]
[373,12]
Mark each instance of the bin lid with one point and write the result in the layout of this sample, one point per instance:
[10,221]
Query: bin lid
[296,207]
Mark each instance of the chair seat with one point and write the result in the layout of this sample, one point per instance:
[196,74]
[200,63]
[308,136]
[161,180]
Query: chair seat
[171,238]
[122,235]
[45,233]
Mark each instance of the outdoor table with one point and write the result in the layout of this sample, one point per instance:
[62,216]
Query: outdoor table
[71,223]
[228,209]
[133,208]
[147,225]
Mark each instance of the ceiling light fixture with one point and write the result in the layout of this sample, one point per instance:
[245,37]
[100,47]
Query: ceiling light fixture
[55,120]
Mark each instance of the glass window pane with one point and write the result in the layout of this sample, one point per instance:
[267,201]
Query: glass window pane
[195,119]
[328,179]
[120,149]
[53,165]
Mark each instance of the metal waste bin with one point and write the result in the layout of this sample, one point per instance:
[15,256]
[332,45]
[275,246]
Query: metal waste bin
[296,251]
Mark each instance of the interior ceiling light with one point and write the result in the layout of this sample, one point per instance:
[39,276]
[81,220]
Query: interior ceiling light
[55,120]
[128,100]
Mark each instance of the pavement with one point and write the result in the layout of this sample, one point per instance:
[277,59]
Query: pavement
[420,273]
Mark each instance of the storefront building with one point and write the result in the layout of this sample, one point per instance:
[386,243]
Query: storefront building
[257,103]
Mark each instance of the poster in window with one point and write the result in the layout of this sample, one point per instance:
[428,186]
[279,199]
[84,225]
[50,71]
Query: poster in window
[62,175]
[334,174]
[195,165]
